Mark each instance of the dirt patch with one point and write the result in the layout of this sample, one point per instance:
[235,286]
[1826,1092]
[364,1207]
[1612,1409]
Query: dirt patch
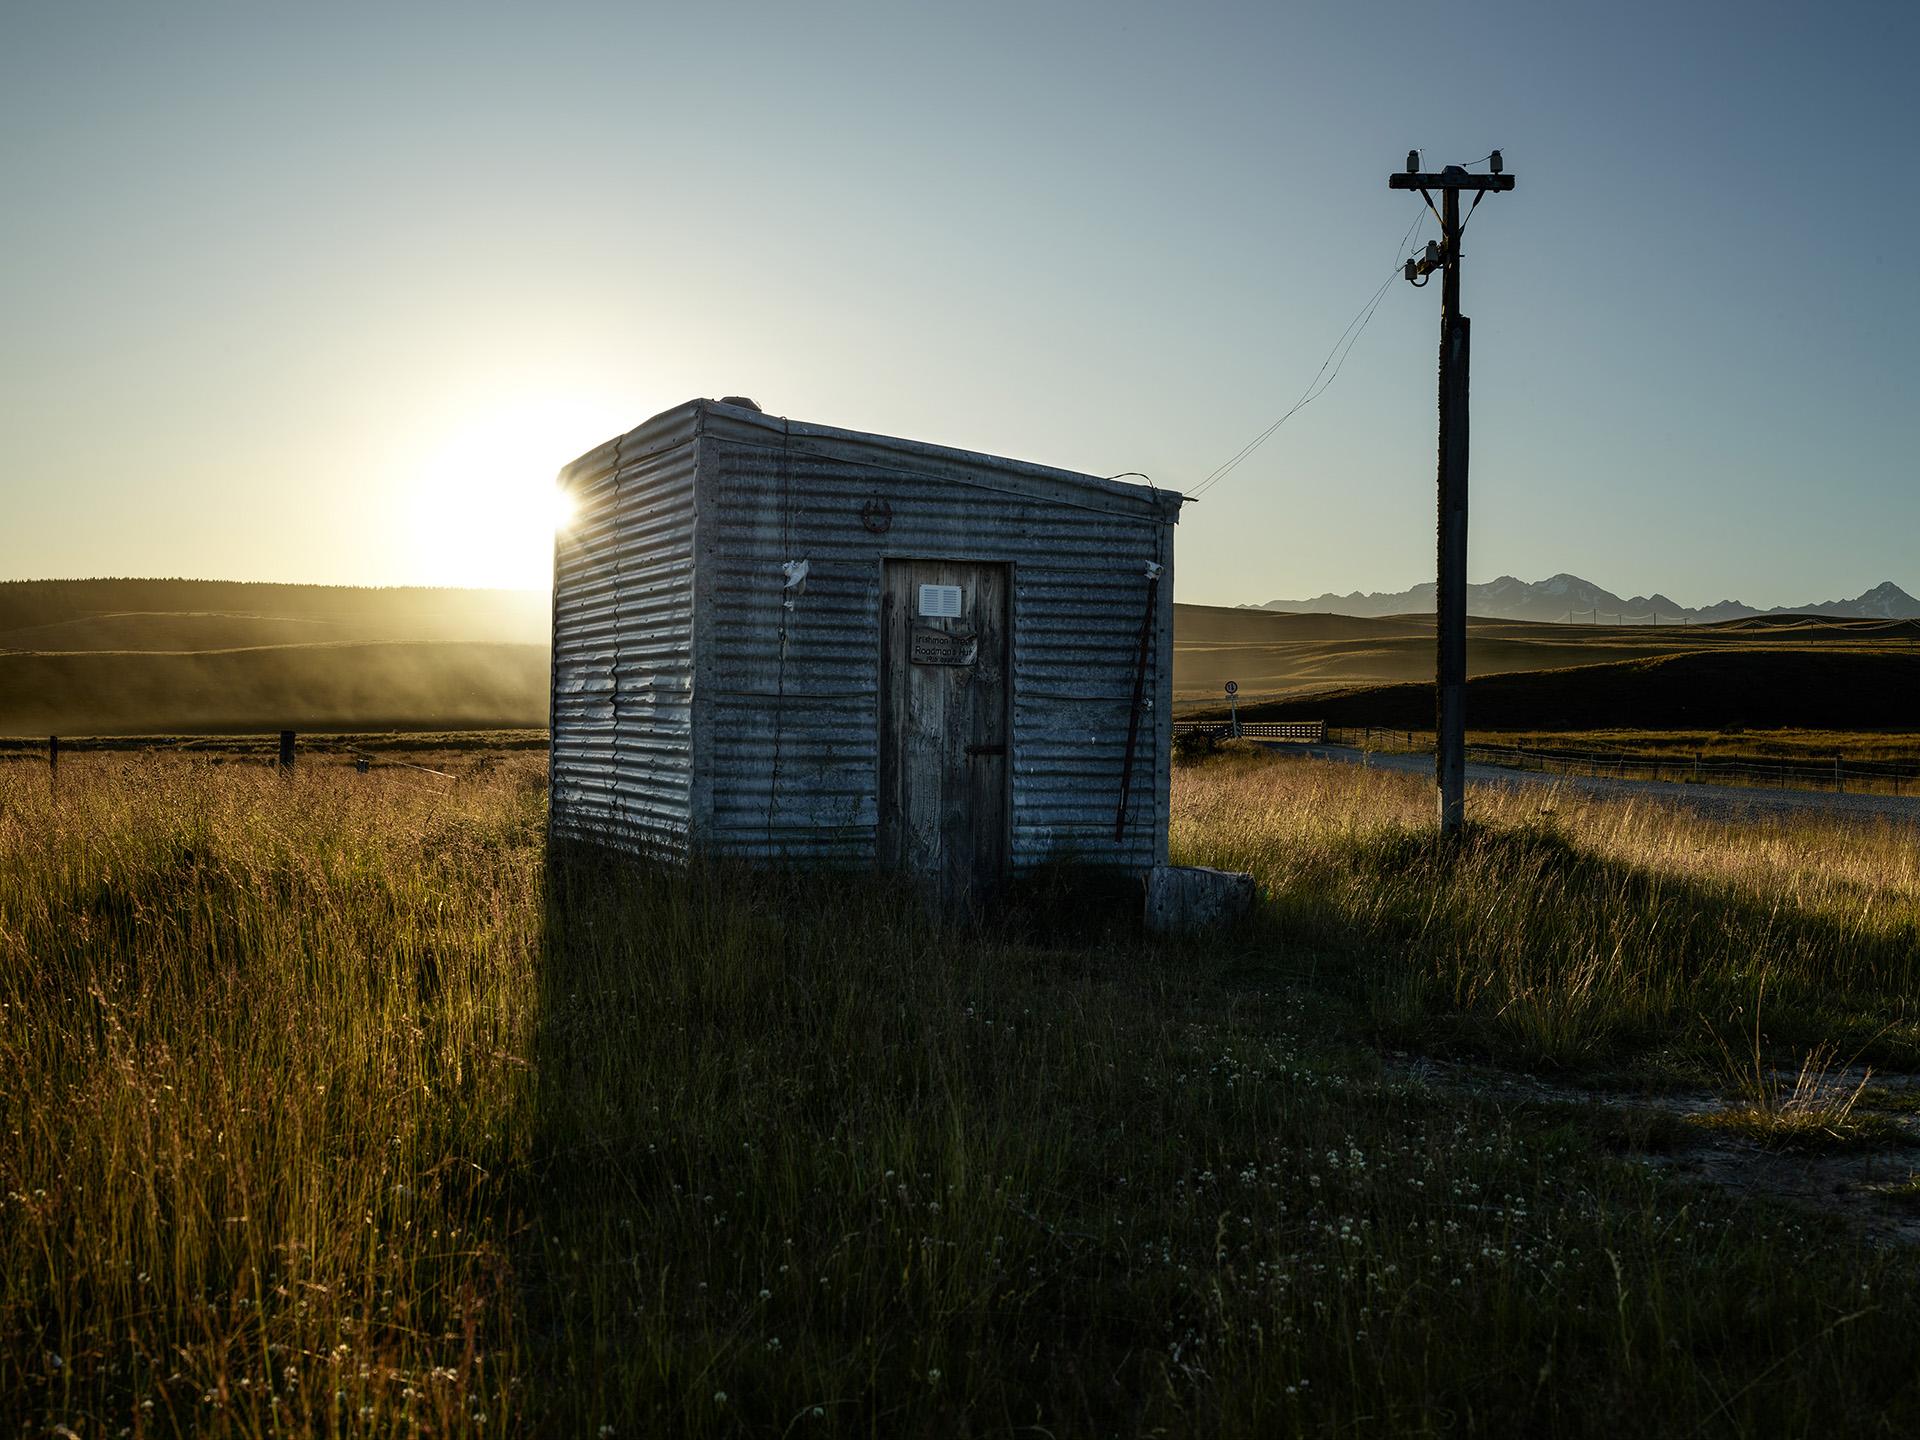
[1872,1184]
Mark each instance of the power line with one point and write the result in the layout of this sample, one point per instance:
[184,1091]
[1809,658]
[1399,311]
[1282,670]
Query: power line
[1310,394]
[1342,348]
[1307,397]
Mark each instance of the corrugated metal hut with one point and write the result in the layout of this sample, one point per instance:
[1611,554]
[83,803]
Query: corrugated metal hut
[785,640]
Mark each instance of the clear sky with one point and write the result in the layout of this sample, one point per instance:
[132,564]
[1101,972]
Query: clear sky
[327,292]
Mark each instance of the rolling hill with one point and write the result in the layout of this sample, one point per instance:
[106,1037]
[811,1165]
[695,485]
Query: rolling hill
[1808,688]
[105,657]
[1277,653]
[213,614]
[120,657]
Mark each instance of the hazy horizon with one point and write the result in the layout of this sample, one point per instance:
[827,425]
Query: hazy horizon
[543,590]
[327,297]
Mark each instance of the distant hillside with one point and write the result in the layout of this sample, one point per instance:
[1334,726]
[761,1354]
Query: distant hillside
[174,656]
[1806,688]
[1267,652]
[150,656]
[384,685]
[1569,598]
[214,614]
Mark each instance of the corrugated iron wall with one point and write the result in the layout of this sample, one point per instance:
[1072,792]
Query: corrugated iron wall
[623,620]
[788,697]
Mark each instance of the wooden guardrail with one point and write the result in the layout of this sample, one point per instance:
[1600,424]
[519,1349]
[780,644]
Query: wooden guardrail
[1305,732]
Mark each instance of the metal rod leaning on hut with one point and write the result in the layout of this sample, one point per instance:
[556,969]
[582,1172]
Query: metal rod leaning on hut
[1133,709]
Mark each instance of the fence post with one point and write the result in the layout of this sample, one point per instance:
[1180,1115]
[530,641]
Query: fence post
[53,763]
[286,752]
[1838,783]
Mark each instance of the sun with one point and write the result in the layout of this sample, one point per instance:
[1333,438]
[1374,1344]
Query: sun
[561,508]
[486,505]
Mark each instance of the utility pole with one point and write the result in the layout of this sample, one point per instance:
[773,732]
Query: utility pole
[1450,589]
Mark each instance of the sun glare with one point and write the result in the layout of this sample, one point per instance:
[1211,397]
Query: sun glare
[486,505]
[562,508]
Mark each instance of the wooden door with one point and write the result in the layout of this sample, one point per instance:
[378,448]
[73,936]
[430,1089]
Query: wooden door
[944,731]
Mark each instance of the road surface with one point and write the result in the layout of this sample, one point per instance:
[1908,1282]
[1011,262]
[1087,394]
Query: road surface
[1720,802]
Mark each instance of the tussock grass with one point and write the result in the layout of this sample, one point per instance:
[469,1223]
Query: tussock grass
[1812,1106]
[332,1107]
[1569,932]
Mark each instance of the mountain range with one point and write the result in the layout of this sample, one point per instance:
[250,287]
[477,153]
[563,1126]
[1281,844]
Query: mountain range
[1568,597]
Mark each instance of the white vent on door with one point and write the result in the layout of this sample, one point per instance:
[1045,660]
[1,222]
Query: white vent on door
[939,602]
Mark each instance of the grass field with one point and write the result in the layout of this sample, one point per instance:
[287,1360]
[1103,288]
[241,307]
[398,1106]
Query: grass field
[334,1106]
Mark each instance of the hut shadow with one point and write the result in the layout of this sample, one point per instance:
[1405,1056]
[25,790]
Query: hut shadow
[723,1052]
[717,1044]
[699,1023]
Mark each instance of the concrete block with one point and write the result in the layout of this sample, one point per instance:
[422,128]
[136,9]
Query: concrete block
[1185,899]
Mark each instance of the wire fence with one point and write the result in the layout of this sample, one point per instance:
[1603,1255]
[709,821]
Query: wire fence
[1837,773]
[278,749]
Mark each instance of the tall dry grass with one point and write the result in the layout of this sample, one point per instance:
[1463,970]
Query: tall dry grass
[1566,930]
[262,1049]
[336,1107]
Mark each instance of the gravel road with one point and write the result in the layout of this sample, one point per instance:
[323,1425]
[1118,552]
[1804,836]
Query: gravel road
[1720,802]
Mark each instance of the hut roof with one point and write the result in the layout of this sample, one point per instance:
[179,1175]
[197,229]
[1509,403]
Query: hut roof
[883,453]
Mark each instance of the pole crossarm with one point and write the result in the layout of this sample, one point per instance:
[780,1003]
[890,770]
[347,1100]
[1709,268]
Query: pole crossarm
[1448,180]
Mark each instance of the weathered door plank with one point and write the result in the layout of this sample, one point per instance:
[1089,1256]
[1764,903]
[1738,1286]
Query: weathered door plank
[945,743]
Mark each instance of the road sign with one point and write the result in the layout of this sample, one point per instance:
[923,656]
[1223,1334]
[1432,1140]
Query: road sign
[1233,687]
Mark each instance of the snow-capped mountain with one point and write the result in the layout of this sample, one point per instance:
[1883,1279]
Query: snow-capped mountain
[1568,597]
[1886,601]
